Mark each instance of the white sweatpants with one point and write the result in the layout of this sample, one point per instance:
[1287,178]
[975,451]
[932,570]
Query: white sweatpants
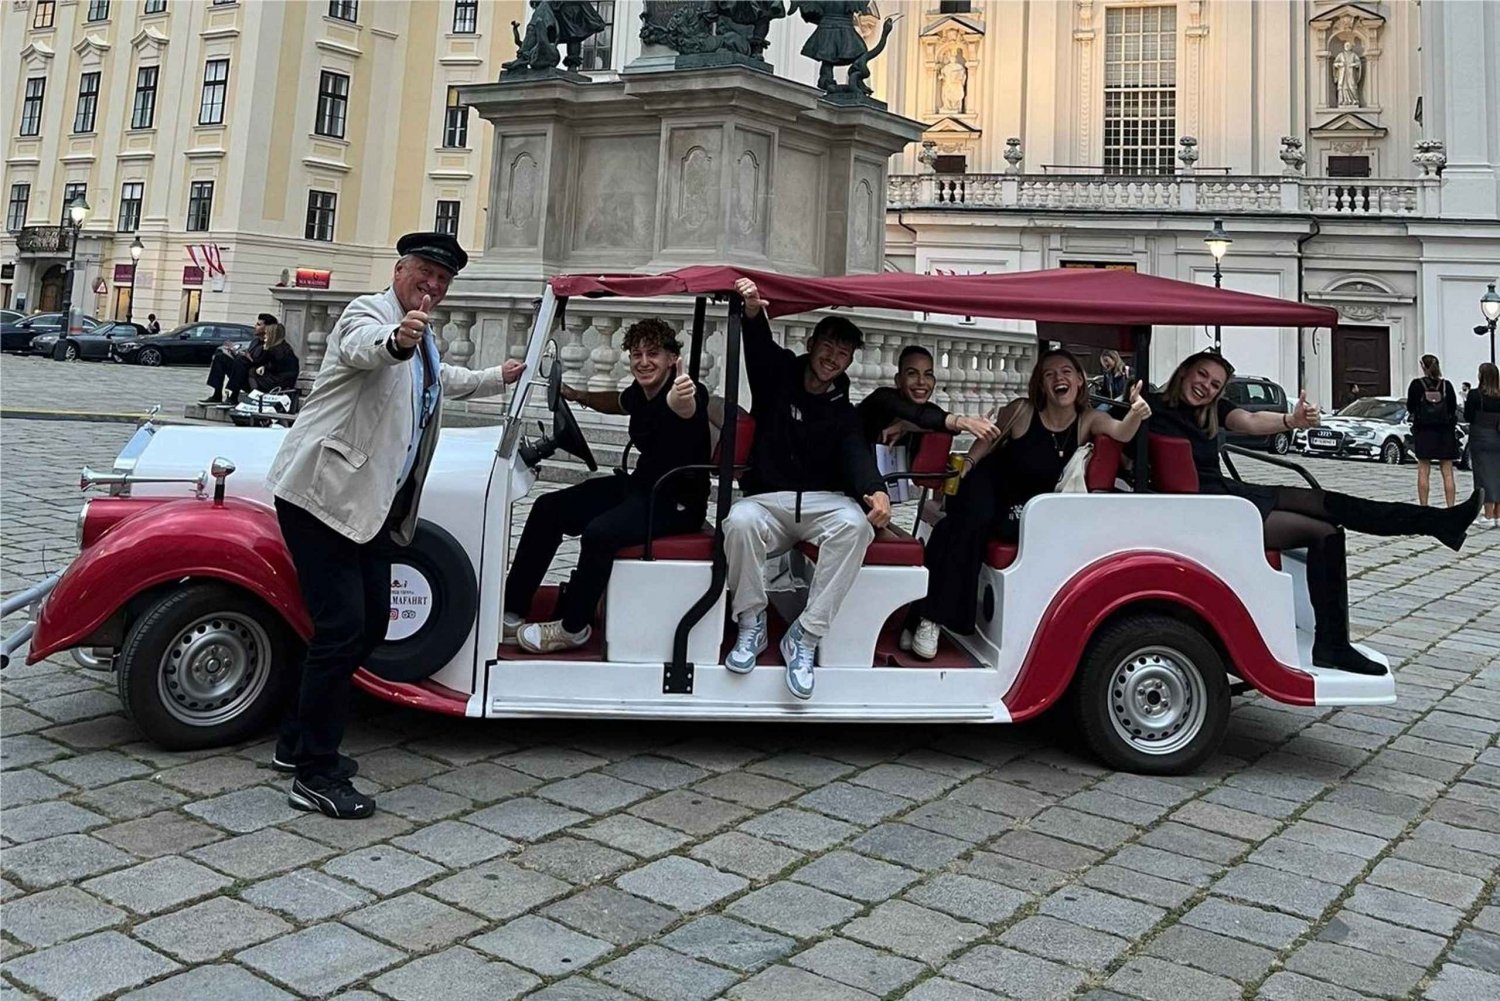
[766,524]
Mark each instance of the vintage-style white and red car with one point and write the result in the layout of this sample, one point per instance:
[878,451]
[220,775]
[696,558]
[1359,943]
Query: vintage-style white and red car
[1147,608]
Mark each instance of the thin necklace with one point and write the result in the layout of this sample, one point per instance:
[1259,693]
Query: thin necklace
[1057,442]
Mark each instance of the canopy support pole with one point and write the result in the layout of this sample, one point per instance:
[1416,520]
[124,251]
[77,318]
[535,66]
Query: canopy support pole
[695,350]
[1142,476]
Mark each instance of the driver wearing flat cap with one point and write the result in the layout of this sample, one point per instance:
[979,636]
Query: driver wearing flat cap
[347,481]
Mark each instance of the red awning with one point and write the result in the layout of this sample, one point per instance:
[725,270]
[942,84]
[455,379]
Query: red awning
[1063,295]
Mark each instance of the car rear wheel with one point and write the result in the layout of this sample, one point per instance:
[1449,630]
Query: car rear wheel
[1152,695]
[1390,452]
[149,356]
[1282,443]
[70,351]
[205,666]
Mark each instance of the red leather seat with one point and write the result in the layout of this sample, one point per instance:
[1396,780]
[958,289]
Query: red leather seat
[999,554]
[1172,469]
[1104,467]
[697,545]
[931,456]
[890,549]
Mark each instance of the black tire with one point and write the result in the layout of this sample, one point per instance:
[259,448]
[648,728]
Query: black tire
[177,646]
[440,562]
[70,351]
[150,357]
[1157,667]
[1281,444]
[1391,452]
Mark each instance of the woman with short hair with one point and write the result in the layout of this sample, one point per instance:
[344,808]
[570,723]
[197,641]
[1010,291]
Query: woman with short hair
[1432,407]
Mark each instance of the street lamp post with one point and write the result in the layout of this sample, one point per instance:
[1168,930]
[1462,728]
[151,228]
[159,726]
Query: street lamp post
[1489,305]
[1218,244]
[78,211]
[136,250]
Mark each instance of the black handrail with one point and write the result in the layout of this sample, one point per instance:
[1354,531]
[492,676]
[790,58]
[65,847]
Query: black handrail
[705,467]
[1273,460]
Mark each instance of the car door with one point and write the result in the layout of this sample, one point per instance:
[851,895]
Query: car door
[198,348]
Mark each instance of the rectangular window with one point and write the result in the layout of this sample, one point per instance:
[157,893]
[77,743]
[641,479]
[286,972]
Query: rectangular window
[320,209]
[200,206]
[447,218]
[955,7]
[465,17]
[46,10]
[1348,166]
[98,10]
[131,195]
[344,10]
[31,105]
[72,190]
[143,112]
[215,92]
[88,102]
[456,122]
[1140,90]
[598,50]
[333,104]
[155,7]
[20,201]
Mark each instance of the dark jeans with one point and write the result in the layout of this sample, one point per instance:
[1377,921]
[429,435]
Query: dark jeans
[234,368]
[346,586]
[607,515]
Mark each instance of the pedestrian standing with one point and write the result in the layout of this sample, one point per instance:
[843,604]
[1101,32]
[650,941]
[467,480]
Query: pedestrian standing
[1433,409]
[152,326]
[347,481]
[1482,412]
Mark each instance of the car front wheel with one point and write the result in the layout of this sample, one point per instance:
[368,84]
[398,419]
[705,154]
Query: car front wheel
[149,356]
[70,352]
[1152,695]
[205,666]
[1282,443]
[1390,452]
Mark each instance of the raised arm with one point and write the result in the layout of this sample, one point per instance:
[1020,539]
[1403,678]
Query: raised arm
[1266,422]
[764,358]
[1004,421]
[605,401]
[365,339]
[1099,422]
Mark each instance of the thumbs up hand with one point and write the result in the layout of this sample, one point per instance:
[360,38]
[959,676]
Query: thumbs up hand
[1304,414]
[413,325]
[682,396]
[1139,408]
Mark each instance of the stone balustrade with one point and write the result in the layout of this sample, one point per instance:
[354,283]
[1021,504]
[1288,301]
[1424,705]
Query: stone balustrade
[1185,192]
[977,368]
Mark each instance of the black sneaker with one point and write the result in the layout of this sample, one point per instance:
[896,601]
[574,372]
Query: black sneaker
[346,768]
[331,797]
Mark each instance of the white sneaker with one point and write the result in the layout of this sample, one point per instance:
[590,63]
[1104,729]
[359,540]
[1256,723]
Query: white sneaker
[925,643]
[750,643]
[550,637]
[509,625]
[904,643]
[798,655]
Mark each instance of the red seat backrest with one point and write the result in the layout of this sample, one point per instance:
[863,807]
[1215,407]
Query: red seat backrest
[1172,469]
[930,456]
[744,436]
[1104,467]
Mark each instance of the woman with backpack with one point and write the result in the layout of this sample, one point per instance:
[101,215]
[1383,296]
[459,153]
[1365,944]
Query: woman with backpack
[1433,409]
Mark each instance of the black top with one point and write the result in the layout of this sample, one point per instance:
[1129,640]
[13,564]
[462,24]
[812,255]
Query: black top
[1438,410]
[666,441]
[1033,463]
[280,362]
[1182,422]
[803,441]
[887,405]
[1477,403]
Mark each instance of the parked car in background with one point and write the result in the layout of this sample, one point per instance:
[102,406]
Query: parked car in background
[91,345]
[18,336]
[193,344]
[1376,427]
[1255,393]
[11,315]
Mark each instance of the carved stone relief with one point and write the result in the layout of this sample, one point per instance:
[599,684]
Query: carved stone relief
[521,193]
[694,188]
[746,193]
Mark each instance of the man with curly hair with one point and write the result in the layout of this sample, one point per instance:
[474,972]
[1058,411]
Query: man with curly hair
[668,428]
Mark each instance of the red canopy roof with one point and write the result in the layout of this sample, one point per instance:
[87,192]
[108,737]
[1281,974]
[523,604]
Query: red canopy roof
[1063,295]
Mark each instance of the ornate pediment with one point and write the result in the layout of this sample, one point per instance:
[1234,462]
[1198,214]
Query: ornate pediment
[1349,126]
[1347,16]
[965,23]
[37,55]
[149,41]
[950,126]
[91,49]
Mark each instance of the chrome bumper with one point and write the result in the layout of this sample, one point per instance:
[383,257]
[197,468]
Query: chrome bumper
[27,601]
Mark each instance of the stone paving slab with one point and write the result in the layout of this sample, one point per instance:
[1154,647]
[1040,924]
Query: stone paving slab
[1323,854]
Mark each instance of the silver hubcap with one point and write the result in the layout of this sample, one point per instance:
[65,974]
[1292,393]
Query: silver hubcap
[1157,700]
[214,669]
[1392,454]
[71,353]
[150,358]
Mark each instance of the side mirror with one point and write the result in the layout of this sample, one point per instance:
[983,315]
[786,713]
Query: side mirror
[220,469]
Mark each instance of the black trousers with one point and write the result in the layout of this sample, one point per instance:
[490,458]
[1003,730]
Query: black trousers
[346,586]
[956,547]
[607,515]
[233,368]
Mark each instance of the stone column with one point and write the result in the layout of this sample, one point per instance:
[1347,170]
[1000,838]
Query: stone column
[461,350]
[606,357]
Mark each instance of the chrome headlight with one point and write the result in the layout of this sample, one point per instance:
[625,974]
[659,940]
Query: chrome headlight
[83,516]
[127,346]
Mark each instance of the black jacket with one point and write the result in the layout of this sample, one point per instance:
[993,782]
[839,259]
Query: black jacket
[803,442]
[281,366]
[886,405]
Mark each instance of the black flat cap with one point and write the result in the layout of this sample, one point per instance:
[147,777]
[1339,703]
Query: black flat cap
[439,248]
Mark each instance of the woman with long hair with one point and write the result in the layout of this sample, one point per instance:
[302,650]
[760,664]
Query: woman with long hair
[1040,433]
[1482,413]
[1433,409]
[1192,406]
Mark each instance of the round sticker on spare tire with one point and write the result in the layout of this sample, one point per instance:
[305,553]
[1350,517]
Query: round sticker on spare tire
[411,602]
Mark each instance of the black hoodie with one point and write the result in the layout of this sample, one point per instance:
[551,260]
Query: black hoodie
[803,441]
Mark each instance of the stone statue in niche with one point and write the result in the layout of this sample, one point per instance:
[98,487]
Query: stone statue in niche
[834,41]
[953,84]
[554,24]
[1348,67]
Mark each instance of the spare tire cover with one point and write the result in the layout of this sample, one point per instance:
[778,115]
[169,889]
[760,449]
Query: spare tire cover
[434,600]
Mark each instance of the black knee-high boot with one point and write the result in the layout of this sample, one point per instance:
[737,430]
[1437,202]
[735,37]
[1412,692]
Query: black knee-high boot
[1448,525]
[1328,587]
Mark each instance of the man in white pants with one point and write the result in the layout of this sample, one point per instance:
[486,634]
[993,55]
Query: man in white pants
[807,464]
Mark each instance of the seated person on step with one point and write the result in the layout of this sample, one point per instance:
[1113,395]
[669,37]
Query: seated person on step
[1039,435]
[269,364]
[808,463]
[1193,407]
[669,428]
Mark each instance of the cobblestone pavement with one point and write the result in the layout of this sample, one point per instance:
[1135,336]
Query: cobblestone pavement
[29,382]
[1322,855]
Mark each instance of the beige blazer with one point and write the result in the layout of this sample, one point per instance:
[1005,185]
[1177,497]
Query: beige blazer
[342,457]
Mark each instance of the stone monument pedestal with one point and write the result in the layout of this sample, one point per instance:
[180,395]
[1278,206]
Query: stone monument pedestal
[660,170]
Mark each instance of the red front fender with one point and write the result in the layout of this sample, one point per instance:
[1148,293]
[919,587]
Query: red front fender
[237,542]
[1103,588]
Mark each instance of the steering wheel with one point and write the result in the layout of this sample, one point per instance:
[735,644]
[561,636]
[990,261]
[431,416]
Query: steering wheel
[565,435]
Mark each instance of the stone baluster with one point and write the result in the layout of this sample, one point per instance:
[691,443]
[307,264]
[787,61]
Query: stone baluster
[438,321]
[715,332]
[984,377]
[461,348]
[517,331]
[1011,381]
[942,368]
[605,358]
[571,353]
[318,325]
